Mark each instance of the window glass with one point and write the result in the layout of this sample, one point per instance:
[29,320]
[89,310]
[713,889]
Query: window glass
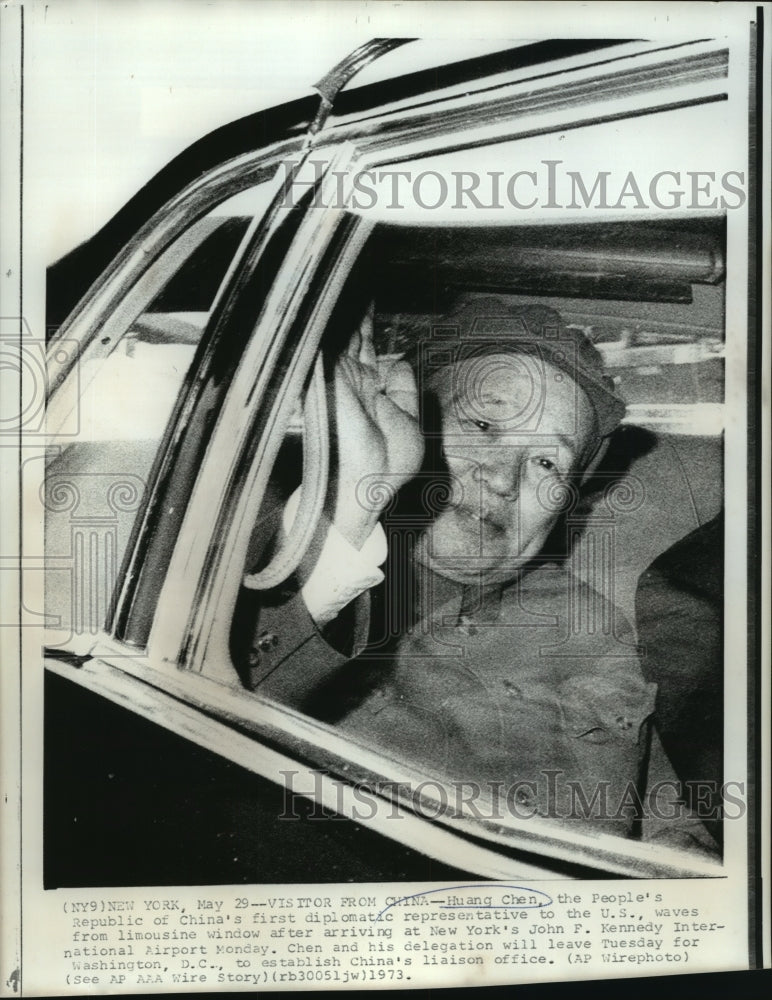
[512,182]
[96,482]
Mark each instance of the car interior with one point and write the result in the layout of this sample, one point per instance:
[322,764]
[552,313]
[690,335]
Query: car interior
[651,298]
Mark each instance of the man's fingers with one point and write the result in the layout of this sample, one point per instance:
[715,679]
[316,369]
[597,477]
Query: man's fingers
[399,384]
[367,348]
[354,345]
[406,401]
[360,382]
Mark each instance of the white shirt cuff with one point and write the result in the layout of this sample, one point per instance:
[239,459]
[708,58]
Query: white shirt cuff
[342,572]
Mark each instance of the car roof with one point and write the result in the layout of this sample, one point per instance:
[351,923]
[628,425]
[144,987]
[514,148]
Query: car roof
[380,72]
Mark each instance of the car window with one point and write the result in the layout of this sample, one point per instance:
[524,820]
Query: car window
[662,344]
[512,180]
[127,388]
[644,286]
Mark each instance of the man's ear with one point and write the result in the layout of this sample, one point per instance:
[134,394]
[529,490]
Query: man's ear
[595,460]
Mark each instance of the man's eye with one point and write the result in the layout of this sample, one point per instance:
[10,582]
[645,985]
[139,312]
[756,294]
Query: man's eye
[482,425]
[546,464]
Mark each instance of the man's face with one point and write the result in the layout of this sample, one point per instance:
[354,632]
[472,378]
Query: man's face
[513,430]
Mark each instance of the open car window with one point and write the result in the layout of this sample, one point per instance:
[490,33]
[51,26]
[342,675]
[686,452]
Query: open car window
[650,296]
[649,293]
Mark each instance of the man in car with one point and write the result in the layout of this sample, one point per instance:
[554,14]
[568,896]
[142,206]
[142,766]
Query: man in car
[479,659]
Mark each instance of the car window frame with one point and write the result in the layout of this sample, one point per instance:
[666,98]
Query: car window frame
[180,638]
[502,108]
[110,300]
[166,225]
[186,638]
[374,149]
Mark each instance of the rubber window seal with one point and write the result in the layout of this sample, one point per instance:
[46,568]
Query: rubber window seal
[316,464]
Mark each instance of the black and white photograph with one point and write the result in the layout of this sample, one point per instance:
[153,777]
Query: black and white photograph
[390,518]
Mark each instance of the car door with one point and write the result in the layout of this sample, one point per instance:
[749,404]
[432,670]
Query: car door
[259,380]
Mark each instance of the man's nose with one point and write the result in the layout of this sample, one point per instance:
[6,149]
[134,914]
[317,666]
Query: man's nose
[500,473]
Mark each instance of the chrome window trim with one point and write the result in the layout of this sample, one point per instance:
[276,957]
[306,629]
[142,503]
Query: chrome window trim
[278,737]
[158,233]
[199,594]
[699,74]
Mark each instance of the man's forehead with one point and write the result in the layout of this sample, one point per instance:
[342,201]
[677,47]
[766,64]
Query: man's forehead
[507,379]
[497,376]
[522,396]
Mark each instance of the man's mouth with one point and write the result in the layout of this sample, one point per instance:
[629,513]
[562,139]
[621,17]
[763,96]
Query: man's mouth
[479,515]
